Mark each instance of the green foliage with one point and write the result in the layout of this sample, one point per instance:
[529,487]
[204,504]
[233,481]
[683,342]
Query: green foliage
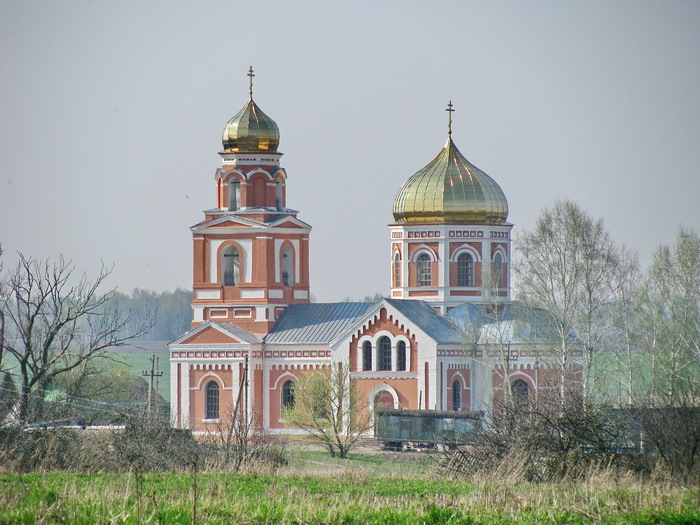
[328,407]
[171,312]
[107,381]
[108,498]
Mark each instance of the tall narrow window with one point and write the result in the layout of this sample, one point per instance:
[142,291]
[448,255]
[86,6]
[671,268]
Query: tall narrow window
[211,409]
[498,270]
[456,395]
[234,195]
[397,270]
[367,356]
[231,266]
[424,270]
[278,194]
[288,394]
[401,356]
[465,270]
[521,392]
[384,349]
[287,266]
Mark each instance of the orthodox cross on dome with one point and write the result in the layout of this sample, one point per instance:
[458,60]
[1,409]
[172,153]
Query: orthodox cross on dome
[449,119]
[251,75]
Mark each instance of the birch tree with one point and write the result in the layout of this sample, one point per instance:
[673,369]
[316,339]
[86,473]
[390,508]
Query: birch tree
[566,266]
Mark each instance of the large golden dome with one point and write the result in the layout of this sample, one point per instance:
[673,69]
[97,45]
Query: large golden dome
[251,131]
[450,190]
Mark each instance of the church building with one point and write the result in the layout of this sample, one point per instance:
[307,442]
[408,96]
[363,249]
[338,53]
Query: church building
[447,338]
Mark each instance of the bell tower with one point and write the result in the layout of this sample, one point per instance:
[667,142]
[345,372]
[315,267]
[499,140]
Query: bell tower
[251,252]
[450,242]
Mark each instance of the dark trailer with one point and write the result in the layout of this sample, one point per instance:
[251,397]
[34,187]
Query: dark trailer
[421,428]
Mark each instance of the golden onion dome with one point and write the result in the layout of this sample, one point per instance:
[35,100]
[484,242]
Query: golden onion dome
[250,130]
[450,190]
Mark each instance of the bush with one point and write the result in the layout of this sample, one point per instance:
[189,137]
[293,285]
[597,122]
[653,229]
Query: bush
[542,443]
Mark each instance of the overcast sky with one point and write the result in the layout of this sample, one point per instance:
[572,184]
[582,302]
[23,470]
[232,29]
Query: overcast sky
[111,116]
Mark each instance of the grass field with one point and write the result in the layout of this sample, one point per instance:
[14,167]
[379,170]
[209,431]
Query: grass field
[137,357]
[367,488]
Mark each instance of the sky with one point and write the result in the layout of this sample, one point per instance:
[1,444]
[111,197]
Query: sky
[111,116]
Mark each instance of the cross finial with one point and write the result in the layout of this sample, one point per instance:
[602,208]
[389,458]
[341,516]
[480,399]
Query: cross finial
[251,75]
[449,119]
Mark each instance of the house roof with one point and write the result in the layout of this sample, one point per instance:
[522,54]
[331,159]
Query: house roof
[323,322]
[435,325]
[231,329]
[315,322]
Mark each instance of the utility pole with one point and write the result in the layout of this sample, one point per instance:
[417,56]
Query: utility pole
[153,374]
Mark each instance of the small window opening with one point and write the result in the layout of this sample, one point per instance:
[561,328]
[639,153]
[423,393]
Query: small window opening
[278,194]
[234,195]
[401,356]
[367,356]
[211,410]
[424,267]
[384,345]
[287,266]
[288,394]
[465,270]
[231,266]
[456,395]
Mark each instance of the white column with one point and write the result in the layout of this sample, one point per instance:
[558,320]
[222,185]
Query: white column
[173,394]
[266,395]
[185,395]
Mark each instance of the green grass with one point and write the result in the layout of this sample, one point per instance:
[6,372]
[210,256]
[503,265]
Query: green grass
[140,361]
[228,498]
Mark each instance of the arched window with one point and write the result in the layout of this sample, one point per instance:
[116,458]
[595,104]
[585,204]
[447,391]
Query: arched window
[287,266]
[521,392]
[465,270]
[231,266]
[234,195]
[424,270]
[366,356]
[397,270]
[498,270]
[278,194]
[384,358]
[401,356]
[456,395]
[288,394]
[211,408]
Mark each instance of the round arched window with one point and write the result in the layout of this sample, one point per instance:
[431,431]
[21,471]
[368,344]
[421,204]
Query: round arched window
[211,408]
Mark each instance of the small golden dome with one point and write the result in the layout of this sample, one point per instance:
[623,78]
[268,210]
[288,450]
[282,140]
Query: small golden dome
[251,131]
[450,190]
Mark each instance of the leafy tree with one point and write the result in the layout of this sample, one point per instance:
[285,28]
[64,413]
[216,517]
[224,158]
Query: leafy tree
[55,321]
[328,406]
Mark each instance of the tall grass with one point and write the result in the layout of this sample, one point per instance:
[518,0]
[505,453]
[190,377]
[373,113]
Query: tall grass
[359,498]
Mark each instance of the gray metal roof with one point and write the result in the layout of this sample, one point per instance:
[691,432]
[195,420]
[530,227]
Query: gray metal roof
[315,322]
[240,333]
[435,325]
[511,322]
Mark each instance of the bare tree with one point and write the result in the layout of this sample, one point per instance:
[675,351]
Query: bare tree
[55,322]
[566,266]
[328,406]
[2,313]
